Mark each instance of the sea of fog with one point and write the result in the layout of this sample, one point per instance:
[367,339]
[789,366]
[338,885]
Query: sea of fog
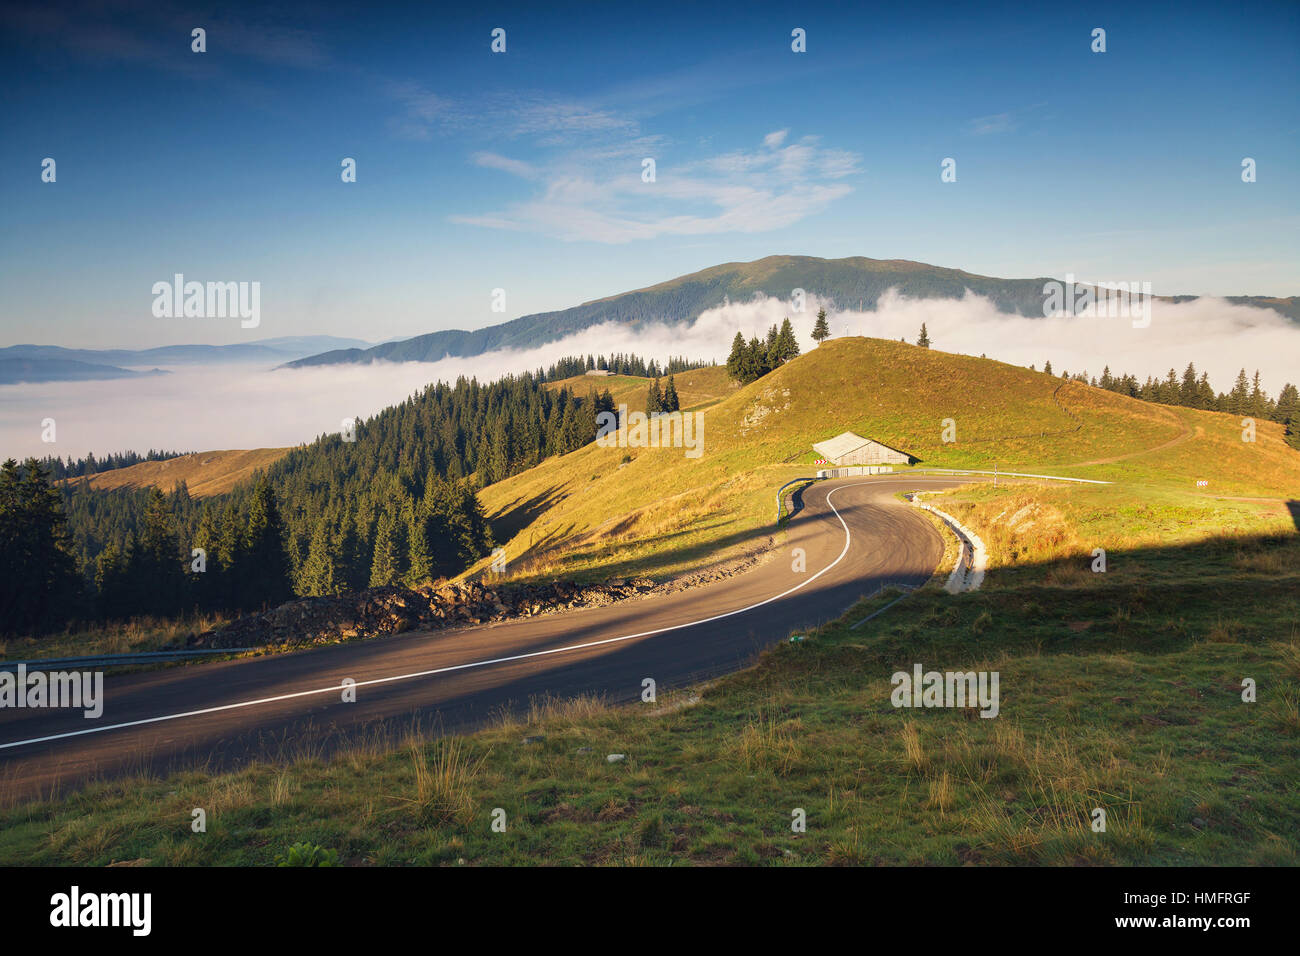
[247,406]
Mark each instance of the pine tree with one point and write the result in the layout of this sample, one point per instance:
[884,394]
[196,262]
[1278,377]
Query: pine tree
[1169,388]
[266,580]
[1288,404]
[230,540]
[498,453]
[654,401]
[923,339]
[1047,367]
[1239,397]
[154,572]
[419,564]
[1205,397]
[1292,434]
[320,569]
[38,578]
[1188,393]
[736,360]
[821,330]
[771,349]
[384,564]
[110,584]
[787,345]
[1258,404]
[354,553]
[671,403]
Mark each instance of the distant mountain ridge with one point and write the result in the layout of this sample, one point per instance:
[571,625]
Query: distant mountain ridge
[26,371]
[30,364]
[847,282]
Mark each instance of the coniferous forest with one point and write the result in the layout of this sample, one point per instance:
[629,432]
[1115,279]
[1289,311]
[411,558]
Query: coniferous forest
[393,503]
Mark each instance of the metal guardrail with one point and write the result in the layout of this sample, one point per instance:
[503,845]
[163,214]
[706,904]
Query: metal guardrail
[855,471]
[780,493]
[119,660]
[905,588]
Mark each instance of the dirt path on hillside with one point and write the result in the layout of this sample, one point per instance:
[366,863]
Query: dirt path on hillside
[1187,433]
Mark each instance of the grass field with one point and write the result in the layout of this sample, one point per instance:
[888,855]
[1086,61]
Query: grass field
[1119,691]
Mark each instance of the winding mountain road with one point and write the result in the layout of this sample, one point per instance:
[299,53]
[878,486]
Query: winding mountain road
[854,533]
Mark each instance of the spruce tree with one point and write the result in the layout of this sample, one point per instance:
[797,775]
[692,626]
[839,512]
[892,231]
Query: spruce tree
[654,401]
[320,568]
[771,349]
[787,345]
[1288,404]
[385,568]
[821,330]
[266,579]
[671,403]
[923,339]
[38,579]
[155,570]
[736,360]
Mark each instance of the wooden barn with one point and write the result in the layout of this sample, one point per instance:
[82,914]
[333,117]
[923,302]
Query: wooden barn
[851,449]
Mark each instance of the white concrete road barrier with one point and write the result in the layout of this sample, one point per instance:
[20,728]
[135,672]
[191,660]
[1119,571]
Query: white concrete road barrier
[972,562]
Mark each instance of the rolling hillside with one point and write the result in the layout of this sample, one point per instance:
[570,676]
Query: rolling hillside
[696,388]
[847,282]
[205,473]
[660,512]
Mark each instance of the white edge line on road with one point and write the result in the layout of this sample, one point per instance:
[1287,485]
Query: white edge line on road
[456,667]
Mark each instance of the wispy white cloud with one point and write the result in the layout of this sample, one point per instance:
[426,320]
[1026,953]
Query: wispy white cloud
[546,120]
[422,110]
[994,123]
[1006,122]
[553,119]
[516,167]
[748,191]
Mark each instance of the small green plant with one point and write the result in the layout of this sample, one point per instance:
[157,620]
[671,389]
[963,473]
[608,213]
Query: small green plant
[309,854]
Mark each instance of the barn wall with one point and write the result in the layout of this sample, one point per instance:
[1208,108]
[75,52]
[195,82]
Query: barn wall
[873,454]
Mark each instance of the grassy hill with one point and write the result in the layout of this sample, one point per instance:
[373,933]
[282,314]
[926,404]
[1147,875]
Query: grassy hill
[659,512]
[850,283]
[205,473]
[696,388]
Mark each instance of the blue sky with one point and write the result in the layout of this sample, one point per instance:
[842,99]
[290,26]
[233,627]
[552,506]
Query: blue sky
[522,170]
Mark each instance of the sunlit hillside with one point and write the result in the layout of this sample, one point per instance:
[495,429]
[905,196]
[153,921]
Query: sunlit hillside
[696,388]
[205,473]
[623,510]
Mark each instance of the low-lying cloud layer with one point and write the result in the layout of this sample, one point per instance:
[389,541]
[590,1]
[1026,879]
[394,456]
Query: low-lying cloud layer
[205,409]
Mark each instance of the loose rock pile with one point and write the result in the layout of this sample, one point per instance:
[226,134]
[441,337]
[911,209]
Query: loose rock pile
[391,610]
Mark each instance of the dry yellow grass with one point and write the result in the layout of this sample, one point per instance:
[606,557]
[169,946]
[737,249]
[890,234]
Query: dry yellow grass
[696,388]
[205,473]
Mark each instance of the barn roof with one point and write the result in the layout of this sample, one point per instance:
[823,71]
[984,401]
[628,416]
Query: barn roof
[840,445]
[846,443]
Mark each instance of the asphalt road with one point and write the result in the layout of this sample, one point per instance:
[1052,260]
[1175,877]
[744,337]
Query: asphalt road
[854,533]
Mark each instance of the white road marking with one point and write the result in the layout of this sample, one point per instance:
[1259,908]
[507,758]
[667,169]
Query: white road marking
[457,667]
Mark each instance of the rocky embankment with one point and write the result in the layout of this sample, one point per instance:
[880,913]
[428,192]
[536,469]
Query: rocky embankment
[392,610]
